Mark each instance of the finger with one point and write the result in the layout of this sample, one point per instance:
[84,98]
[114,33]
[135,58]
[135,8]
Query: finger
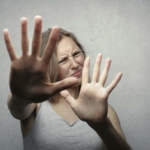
[62,85]
[9,45]
[24,36]
[85,72]
[104,74]
[51,45]
[114,83]
[36,43]
[66,95]
[96,70]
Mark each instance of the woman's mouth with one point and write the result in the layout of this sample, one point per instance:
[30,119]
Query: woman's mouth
[77,74]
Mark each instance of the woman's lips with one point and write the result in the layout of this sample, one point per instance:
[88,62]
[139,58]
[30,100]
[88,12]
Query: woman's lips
[77,74]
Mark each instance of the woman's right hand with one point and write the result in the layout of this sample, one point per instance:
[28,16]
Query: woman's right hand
[29,77]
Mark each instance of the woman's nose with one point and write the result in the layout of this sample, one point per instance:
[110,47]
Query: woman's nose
[74,64]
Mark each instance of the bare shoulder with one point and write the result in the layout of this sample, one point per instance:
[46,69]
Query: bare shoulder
[112,114]
[115,120]
[27,123]
[38,106]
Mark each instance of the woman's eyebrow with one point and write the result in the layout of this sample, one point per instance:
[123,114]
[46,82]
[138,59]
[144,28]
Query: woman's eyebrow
[77,50]
[62,57]
[65,55]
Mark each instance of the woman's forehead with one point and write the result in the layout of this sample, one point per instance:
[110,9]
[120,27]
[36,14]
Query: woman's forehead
[66,45]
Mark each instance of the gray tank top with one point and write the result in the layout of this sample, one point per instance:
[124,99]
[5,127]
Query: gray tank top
[51,132]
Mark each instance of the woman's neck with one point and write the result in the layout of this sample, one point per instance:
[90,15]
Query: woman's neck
[74,92]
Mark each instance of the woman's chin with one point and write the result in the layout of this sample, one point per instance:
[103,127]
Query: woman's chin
[78,84]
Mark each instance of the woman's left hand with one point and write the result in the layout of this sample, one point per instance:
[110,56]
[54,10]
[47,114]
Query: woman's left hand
[91,105]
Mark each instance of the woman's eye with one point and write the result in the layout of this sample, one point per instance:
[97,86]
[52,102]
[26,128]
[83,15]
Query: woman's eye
[63,60]
[77,53]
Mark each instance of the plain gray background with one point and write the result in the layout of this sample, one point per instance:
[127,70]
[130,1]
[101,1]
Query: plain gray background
[119,29]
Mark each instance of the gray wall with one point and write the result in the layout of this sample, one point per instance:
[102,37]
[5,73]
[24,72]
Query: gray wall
[120,29]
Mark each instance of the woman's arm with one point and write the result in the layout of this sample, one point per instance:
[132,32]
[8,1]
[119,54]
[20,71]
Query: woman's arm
[19,108]
[92,105]
[111,133]
[29,74]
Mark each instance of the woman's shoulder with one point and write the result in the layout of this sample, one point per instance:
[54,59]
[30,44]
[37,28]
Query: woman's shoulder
[38,106]
[112,115]
[111,110]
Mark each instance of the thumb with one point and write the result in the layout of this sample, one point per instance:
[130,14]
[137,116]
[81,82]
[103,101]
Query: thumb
[66,95]
[64,84]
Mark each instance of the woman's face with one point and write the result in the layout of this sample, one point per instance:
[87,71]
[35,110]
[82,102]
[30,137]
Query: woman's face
[70,59]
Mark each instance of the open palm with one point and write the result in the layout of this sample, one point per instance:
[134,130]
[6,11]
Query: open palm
[91,105]
[29,74]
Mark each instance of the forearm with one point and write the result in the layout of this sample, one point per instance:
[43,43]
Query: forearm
[20,109]
[111,138]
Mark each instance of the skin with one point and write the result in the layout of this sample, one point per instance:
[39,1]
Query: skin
[31,65]
[70,60]
[90,105]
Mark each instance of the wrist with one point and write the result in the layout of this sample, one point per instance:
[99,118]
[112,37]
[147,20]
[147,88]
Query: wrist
[19,101]
[100,126]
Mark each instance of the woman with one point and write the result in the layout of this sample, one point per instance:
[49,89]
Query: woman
[52,96]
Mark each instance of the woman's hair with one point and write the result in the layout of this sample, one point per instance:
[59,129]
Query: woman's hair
[53,70]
